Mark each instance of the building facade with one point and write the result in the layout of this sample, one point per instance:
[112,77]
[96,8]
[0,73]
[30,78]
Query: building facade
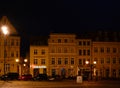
[66,55]
[9,48]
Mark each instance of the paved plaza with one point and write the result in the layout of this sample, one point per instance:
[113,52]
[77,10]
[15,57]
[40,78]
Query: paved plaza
[59,84]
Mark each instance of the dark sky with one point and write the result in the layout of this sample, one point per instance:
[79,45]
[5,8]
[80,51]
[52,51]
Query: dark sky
[40,17]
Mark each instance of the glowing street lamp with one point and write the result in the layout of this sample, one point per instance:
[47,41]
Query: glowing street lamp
[25,60]
[5,31]
[91,66]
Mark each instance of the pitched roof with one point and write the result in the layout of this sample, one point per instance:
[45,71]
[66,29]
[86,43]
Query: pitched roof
[4,21]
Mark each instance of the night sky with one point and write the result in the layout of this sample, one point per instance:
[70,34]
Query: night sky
[40,17]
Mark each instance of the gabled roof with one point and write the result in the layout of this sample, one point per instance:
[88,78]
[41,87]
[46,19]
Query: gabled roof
[4,21]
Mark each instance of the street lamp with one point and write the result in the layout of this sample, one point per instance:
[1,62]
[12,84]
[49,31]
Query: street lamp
[17,61]
[5,31]
[91,67]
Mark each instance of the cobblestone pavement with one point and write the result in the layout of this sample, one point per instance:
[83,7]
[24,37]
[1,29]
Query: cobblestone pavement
[59,84]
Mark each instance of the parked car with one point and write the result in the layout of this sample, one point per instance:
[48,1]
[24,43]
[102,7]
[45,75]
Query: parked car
[10,76]
[41,77]
[26,77]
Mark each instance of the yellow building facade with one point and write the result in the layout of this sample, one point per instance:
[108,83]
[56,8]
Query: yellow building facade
[107,56]
[39,60]
[66,55]
[9,48]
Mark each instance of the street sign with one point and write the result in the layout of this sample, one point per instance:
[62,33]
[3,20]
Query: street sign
[79,79]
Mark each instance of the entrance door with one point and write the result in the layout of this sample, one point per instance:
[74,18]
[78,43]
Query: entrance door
[63,72]
[35,72]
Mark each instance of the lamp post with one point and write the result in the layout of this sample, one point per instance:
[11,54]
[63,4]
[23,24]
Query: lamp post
[17,61]
[25,66]
[4,29]
[91,67]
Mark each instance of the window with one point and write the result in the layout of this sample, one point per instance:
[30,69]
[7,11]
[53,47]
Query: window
[72,60]
[88,52]
[53,61]
[102,60]
[88,43]
[119,73]
[80,43]
[7,66]
[84,52]
[119,60]
[65,40]
[114,50]
[66,60]
[59,50]
[95,59]
[59,40]
[35,51]
[43,51]
[84,43]
[59,60]
[95,49]
[16,53]
[108,50]
[12,42]
[65,50]
[80,52]
[12,54]
[102,50]
[42,61]
[108,60]
[114,60]
[17,43]
[35,61]
[80,61]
